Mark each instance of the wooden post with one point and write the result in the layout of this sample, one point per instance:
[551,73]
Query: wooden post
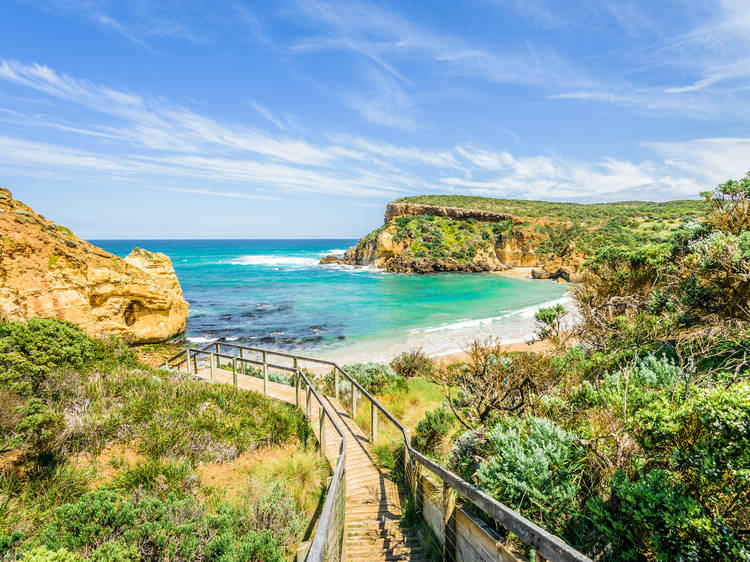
[234,371]
[296,382]
[187,361]
[449,523]
[336,382]
[265,374]
[322,438]
[307,405]
[407,461]
[217,346]
[354,401]
[211,365]
[373,423]
[195,363]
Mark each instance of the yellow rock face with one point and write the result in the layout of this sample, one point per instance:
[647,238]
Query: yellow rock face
[46,271]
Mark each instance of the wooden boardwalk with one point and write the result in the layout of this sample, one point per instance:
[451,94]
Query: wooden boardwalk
[373,529]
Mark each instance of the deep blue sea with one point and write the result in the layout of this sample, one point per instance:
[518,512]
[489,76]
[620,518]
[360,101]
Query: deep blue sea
[274,293]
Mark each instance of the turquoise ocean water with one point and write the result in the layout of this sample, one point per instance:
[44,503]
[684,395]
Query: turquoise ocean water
[273,293]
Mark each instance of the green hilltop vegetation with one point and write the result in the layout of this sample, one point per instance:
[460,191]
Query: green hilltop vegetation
[555,225]
[669,210]
[537,233]
[629,436]
[103,458]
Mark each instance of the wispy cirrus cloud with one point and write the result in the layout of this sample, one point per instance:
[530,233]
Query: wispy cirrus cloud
[387,43]
[381,35]
[140,140]
[282,121]
[140,21]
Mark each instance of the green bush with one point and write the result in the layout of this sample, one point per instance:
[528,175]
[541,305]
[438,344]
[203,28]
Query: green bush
[159,476]
[116,551]
[535,467]
[653,518]
[706,443]
[259,547]
[43,554]
[413,363]
[375,378]
[114,528]
[467,452]
[277,513]
[433,431]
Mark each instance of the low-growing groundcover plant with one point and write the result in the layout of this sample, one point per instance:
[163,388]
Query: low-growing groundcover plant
[66,397]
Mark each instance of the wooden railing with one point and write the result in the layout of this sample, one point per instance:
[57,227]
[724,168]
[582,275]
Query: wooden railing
[420,472]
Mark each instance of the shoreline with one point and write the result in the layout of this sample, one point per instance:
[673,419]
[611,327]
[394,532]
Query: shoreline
[516,272]
[529,346]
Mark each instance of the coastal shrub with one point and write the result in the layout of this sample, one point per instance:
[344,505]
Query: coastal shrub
[413,363]
[158,476]
[29,351]
[68,393]
[653,518]
[116,551]
[36,433]
[375,378]
[705,442]
[433,430]
[535,467]
[729,205]
[277,513]
[259,547]
[114,528]
[468,451]
[43,554]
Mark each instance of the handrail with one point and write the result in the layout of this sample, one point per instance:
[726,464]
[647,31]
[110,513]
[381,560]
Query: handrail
[547,545]
[319,545]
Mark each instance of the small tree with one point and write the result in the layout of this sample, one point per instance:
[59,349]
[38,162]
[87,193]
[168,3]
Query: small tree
[729,205]
[551,326]
[490,382]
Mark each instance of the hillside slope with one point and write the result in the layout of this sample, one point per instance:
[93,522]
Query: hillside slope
[463,233]
[49,272]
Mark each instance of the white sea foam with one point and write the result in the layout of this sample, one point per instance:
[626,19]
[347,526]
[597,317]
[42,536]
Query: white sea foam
[334,251]
[232,338]
[354,268]
[272,260]
[202,340]
[527,312]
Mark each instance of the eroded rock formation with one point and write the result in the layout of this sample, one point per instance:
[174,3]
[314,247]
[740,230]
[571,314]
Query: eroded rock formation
[46,271]
[394,210]
[507,242]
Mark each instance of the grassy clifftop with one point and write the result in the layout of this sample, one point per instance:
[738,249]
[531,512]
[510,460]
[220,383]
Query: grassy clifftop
[426,233]
[669,210]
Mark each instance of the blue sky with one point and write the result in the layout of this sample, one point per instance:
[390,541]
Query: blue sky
[192,119]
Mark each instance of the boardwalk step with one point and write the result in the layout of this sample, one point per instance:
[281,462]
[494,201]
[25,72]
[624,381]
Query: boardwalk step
[373,526]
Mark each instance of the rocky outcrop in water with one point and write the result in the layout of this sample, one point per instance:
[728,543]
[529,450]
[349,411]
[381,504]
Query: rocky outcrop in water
[46,271]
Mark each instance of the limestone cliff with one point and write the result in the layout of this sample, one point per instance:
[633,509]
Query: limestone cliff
[46,271]
[429,238]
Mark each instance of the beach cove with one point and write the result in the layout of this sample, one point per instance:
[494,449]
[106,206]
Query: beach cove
[275,294]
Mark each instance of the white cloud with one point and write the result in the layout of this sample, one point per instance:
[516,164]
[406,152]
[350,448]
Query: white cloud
[283,121]
[143,141]
[380,35]
[138,21]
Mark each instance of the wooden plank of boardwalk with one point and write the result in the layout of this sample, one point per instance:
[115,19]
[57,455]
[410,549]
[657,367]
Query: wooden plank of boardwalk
[373,527]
